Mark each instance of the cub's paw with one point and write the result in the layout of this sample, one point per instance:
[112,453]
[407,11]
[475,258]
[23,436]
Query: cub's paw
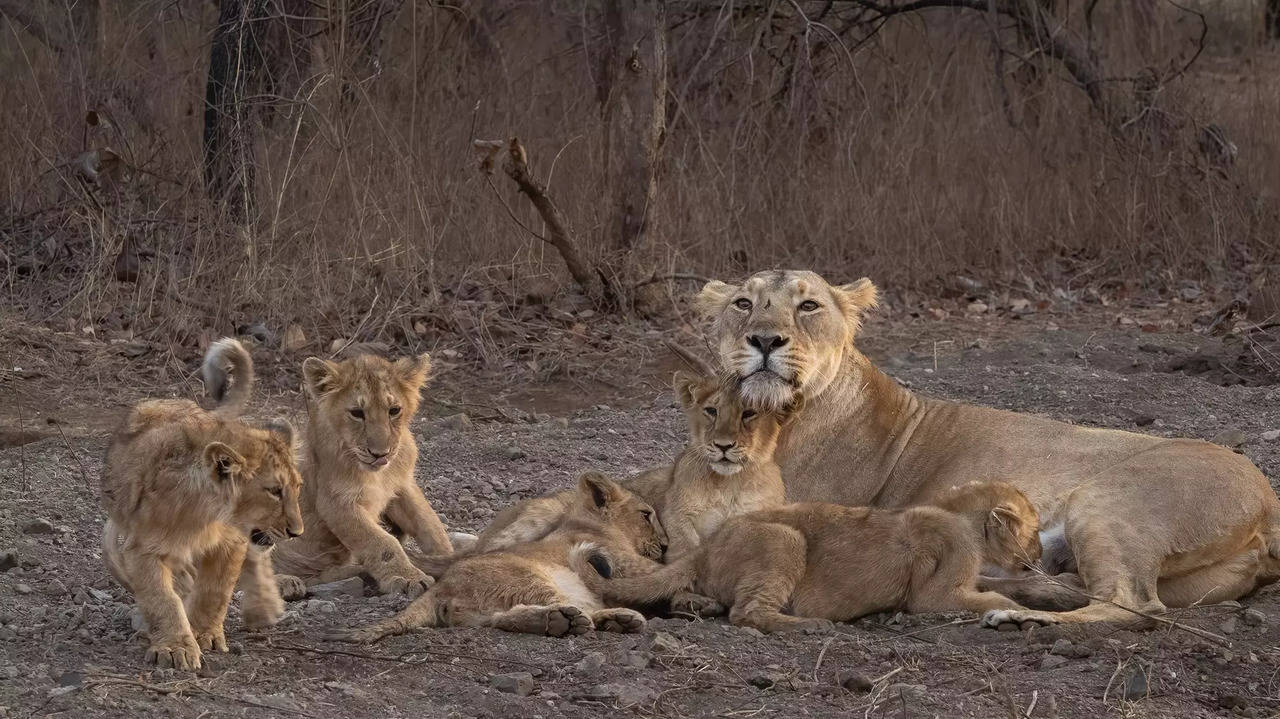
[212,640]
[462,541]
[698,605]
[567,619]
[175,653]
[622,621]
[291,588]
[410,581]
[995,617]
[263,611]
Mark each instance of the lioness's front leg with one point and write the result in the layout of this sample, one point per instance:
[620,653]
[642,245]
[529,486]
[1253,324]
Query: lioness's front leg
[414,514]
[373,548]
[263,604]
[171,641]
[215,581]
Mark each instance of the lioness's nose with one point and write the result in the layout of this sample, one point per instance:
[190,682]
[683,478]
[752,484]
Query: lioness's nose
[292,532]
[766,343]
[724,447]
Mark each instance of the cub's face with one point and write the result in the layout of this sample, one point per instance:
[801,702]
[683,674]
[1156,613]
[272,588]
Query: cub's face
[262,481]
[730,434]
[366,403]
[1013,536]
[785,331]
[623,512]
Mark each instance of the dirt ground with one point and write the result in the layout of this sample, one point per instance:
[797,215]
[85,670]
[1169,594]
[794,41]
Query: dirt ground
[65,629]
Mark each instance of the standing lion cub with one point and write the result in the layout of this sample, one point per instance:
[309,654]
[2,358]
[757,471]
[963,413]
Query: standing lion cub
[186,492]
[358,461]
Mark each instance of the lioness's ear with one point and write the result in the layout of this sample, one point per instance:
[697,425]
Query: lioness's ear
[414,370]
[225,462]
[861,295]
[685,386]
[713,297]
[320,377]
[598,490]
[280,427]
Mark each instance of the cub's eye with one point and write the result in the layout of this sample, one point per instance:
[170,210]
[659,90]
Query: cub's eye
[276,492]
[711,411]
[357,413]
[809,306]
[646,514]
[747,414]
[394,411]
[742,303]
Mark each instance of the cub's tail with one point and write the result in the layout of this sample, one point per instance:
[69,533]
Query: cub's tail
[425,611]
[435,565]
[599,572]
[228,376]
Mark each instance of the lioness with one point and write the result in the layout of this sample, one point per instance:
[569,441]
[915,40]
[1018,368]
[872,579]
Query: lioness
[358,461]
[1150,522]
[186,491]
[825,562]
[529,587]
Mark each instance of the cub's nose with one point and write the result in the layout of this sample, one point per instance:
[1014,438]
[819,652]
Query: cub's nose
[766,343]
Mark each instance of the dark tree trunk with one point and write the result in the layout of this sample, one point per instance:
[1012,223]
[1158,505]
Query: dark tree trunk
[1273,19]
[234,57]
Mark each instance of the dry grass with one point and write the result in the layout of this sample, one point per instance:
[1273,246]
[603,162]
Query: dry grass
[895,159]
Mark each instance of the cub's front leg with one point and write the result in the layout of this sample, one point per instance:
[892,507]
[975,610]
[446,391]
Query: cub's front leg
[262,605]
[172,643]
[682,536]
[373,547]
[210,595]
[413,513]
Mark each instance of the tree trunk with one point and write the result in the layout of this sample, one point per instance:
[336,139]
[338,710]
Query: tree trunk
[632,91]
[1273,19]
[234,57]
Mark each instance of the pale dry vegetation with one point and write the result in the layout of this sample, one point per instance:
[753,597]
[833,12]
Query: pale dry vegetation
[911,148]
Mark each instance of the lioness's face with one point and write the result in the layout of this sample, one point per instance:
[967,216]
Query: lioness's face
[263,480]
[785,331]
[624,512]
[730,434]
[367,403]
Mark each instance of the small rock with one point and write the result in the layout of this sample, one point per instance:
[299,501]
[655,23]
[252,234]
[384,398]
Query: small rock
[590,663]
[905,691]
[8,560]
[766,679]
[1271,435]
[602,408]
[1007,627]
[855,682]
[1063,648]
[1254,618]
[350,587]
[1134,684]
[513,453]
[634,660]
[1233,701]
[1230,438]
[1228,626]
[319,606]
[258,331]
[22,588]
[625,694]
[665,642]
[518,683]
[460,422]
[100,595]
[976,308]
[1052,662]
[39,526]
[350,690]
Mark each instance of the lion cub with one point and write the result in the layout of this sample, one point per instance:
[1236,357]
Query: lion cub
[825,562]
[358,463]
[529,587]
[186,492]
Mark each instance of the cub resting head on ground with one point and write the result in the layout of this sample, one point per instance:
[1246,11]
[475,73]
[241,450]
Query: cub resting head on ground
[186,492]
[529,587]
[358,461]
[823,562]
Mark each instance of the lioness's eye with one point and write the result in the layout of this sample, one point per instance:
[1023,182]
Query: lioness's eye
[357,413]
[747,414]
[742,303]
[711,411]
[394,411]
[809,305]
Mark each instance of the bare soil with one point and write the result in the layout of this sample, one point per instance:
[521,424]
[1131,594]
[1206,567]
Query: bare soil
[68,647]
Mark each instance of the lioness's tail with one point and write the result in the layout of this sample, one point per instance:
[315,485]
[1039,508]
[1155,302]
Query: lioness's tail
[225,360]
[425,611]
[596,569]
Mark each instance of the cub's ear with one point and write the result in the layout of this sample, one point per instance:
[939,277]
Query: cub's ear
[414,370]
[686,386]
[598,491]
[225,462]
[320,377]
[280,427]
[1005,518]
[713,297]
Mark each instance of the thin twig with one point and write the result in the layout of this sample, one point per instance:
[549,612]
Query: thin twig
[84,472]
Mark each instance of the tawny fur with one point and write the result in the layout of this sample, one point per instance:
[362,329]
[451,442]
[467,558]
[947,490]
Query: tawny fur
[808,564]
[529,587]
[358,462]
[184,489]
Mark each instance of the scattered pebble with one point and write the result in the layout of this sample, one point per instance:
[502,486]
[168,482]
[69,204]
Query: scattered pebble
[590,663]
[8,560]
[1271,435]
[22,588]
[1254,618]
[1052,662]
[1228,625]
[625,694]
[458,422]
[856,682]
[518,683]
[908,692]
[665,642]
[1233,701]
[1230,438]
[1134,686]
[39,526]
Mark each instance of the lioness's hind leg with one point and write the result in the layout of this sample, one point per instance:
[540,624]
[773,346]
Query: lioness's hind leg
[620,620]
[551,621]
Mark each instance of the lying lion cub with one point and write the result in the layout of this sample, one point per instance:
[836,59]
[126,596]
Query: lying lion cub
[825,562]
[358,461]
[529,587]
[186,491]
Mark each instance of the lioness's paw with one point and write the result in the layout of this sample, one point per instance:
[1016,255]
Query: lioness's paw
[176,653]
[815,626]
[291,588]
[212,640]
[410,581]
[623,621]
[697,605]
[995,617]
[567,619]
